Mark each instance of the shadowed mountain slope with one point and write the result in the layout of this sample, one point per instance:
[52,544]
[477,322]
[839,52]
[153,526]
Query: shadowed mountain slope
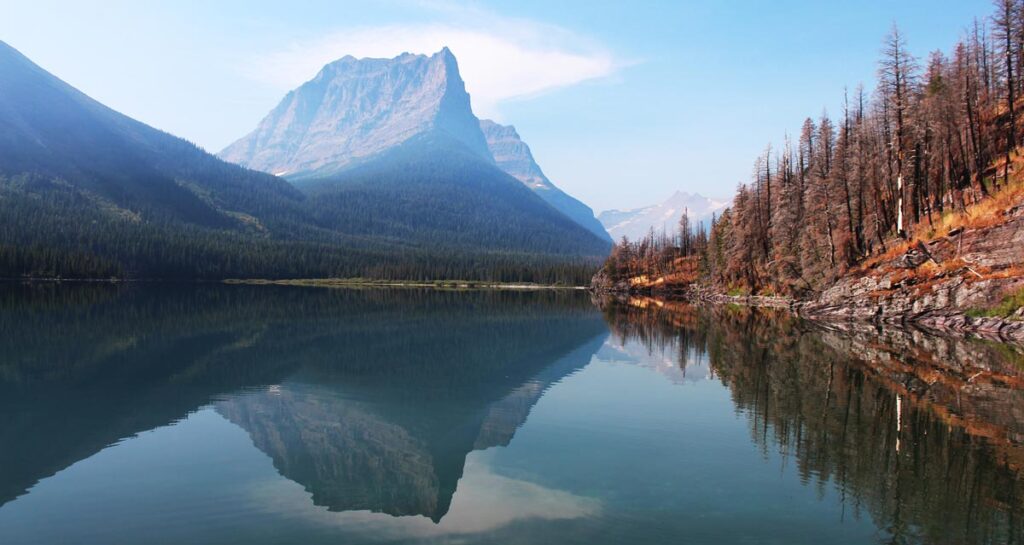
[88,192]
[514,157]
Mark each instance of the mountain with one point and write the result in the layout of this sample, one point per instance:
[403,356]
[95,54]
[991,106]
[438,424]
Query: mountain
[390,148]
[433,192]
[513,156]
[86,192]
[64,139]
[636,223]
[357,108]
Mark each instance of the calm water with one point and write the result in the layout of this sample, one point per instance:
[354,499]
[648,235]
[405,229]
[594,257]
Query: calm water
[289,415]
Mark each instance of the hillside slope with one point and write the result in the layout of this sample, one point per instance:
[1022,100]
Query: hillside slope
[433,192]
[514,157]
[52,134]
[968,276]
[88,192]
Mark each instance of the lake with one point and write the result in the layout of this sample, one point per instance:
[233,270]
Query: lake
[244,414]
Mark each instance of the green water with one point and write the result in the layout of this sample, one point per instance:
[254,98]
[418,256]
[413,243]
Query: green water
[174,414]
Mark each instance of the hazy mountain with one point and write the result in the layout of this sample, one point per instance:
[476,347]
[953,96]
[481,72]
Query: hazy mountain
[357,108]
[88,192]
[514,157]
[390,148]
[637,222]
[432,192]
[67,141]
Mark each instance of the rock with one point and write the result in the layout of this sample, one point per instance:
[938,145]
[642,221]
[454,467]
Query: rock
[912,259]
[356,108]
[514,157]
[995,247]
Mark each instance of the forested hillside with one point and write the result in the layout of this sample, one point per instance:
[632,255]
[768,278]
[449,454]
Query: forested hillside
[432,192]
[930,151]
[86,192]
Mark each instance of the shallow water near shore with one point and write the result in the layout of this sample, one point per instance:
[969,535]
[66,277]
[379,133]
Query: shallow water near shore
[274,414]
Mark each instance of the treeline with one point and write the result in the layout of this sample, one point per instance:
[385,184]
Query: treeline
[52,235]
[936,135]
[657,253]
[830,410]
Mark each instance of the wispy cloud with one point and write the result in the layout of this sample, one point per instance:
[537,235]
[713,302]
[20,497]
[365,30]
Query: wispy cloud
[500,58]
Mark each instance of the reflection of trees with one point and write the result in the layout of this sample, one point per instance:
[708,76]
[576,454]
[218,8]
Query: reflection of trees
[84,366]
[660,326]
[922,433]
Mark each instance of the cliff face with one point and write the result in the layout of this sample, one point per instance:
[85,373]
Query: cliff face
[513,156]
[357,108]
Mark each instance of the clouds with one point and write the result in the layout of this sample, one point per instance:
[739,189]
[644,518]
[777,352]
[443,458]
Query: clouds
[501,58]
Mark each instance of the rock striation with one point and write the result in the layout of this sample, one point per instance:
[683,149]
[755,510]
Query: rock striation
[934,284]
[356,108]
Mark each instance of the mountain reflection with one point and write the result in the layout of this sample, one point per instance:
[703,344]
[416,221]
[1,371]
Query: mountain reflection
[370,399]
[925,434]
[393,437]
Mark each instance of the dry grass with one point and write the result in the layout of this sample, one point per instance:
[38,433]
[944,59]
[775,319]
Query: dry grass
[685,270]
[987,212]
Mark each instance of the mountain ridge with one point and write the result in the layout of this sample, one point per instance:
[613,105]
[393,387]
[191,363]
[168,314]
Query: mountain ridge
[356,108]
[635,223]
[51,129]
[86,192]
[513,155]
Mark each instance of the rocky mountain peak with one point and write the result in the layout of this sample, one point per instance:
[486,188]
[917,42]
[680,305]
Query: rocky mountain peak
[356,108]
[513,156]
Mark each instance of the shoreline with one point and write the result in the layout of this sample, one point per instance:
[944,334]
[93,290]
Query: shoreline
[940,321]
[369,283]
[308,282]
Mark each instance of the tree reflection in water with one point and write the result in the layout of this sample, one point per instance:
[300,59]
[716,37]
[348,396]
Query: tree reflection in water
[923,433]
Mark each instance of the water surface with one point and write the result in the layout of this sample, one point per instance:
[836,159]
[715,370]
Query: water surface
[235,414]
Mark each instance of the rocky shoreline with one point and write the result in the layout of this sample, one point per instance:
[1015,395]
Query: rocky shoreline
[943,285]
[904,311]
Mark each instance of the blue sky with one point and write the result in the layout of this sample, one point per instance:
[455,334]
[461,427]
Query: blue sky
[622,102]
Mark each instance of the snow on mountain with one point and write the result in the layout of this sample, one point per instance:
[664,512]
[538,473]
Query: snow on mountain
[664,216]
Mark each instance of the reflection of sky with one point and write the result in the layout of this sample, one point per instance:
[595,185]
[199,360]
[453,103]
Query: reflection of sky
[484,502]
[203,477]
[612,451]
[664,361]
